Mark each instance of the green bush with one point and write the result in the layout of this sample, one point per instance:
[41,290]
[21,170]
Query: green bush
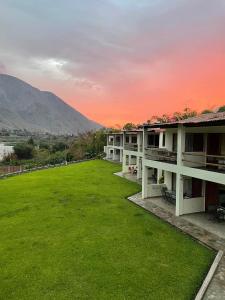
[24,151]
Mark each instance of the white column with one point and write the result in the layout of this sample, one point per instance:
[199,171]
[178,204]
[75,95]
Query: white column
[124,167]
[138,142]
[169,140]
[159,175]
[179,194]
[107,152]
[168,179]
[179,178]
[139,170]
[180,144]
[144,182]
[121,155]
[113,154]
[161,139]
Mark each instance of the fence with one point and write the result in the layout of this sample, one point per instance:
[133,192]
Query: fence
[7,171]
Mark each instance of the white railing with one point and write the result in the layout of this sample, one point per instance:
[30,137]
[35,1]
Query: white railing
[131,147]
[161,154]
[201,159]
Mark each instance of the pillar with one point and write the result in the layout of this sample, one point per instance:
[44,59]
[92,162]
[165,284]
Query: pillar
[144,182]
[179,194]
[139,170]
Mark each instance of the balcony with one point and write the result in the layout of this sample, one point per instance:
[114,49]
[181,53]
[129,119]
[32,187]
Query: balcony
[161,154]
[131,147]
[118,144]
[205,161]
[110,143]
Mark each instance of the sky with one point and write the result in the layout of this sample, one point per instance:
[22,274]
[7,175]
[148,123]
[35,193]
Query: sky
[118,61]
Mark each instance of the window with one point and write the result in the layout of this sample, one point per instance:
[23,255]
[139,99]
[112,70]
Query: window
[127,139]
[134,139]
[156,140]
[194,142]
[174,142]
[153,140]
[196,187]
[192,187]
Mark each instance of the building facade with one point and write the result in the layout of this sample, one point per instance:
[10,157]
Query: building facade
[183,161]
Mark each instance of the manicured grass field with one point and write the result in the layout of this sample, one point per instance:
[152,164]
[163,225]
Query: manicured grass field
[70,233]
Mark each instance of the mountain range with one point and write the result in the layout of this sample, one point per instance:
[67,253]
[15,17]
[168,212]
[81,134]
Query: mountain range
[23,106]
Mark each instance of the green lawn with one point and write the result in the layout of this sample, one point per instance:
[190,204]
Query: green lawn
[70,233]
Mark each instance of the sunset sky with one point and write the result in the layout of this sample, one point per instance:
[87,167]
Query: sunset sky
[118,60]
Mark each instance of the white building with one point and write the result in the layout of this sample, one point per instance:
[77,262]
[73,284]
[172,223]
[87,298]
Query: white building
[5,150]
[192,162]
[183,161]
[114,147]
[133,152]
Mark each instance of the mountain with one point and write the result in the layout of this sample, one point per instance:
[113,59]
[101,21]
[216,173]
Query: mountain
[25,107]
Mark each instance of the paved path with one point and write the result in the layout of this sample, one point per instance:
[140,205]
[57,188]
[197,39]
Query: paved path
[216,289]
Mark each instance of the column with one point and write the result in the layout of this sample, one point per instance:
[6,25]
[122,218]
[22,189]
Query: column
[113,154]
[121,155]
[179,179]
[180,144]
[179,194]
[144,182]
[139,170]
[159,175]
[124,166]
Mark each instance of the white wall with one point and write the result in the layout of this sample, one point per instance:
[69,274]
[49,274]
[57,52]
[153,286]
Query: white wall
[5,150]
[154,190]
[193,205]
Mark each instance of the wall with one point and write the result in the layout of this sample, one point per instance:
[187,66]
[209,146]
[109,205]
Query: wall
[193,205]
[154,190]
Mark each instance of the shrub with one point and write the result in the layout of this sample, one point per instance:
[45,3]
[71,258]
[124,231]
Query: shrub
[23,151]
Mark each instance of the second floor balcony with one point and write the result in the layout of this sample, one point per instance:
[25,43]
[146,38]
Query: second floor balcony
[131,146]
[118,144]
[204,161]
[161,154]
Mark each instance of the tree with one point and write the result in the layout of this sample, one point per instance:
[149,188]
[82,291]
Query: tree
[60,146]
[88,145]
[129,126]
[206,111]
[23,151]
[163,119]
[30,141]
[185,114]
[221,108]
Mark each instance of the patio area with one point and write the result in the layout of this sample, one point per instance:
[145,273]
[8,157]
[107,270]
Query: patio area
[204,220]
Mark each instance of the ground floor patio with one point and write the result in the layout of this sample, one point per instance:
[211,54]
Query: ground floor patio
[200,226]
[204,220]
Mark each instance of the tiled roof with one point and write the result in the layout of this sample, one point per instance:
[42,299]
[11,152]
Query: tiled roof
[201,119]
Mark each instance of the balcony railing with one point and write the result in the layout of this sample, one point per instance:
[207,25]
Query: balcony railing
[131,147]
[110,143]
[203,160]
[160,154]
[118,144]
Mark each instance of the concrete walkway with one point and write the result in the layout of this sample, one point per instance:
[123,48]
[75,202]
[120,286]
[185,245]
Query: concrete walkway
[216,289]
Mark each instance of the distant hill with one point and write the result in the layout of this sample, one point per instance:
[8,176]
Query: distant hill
[25,107]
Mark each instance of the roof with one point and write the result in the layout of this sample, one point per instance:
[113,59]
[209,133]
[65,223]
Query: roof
[210,119]
[116,133]
[133,130]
